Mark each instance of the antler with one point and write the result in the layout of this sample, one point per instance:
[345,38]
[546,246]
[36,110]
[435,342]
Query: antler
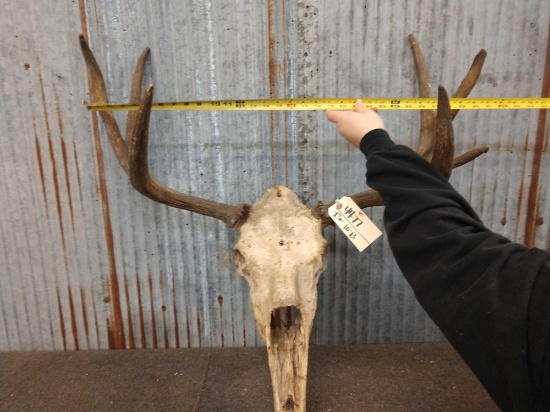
[132,152]
[436,141]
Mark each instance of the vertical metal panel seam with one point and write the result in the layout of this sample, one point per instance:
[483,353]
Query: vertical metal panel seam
[532,202]
[218,233]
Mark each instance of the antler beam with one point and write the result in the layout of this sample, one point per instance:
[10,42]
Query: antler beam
[132,153]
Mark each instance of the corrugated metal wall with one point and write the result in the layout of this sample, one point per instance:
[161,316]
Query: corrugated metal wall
[86,262]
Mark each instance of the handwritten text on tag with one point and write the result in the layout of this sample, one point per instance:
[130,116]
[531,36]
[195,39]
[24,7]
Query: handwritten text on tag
[354,223]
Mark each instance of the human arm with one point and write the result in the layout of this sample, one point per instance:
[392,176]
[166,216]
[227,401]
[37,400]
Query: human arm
[489,296]
[356,123]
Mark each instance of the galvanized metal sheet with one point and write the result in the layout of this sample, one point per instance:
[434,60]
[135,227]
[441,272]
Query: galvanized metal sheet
[86,262]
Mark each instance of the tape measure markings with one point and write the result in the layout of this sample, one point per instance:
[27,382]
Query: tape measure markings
[408,103]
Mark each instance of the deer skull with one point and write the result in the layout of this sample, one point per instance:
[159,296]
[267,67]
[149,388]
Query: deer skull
[282,275]
[281,250]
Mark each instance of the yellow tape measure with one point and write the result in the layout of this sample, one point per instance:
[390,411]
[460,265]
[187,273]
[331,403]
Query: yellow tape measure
[408,103]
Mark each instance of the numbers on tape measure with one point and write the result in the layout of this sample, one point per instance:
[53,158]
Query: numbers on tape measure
[339,104]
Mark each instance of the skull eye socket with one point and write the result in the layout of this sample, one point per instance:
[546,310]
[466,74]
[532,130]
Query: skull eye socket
[240,262]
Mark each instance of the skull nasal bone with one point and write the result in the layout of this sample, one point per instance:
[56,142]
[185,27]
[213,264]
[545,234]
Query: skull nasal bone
[286,291]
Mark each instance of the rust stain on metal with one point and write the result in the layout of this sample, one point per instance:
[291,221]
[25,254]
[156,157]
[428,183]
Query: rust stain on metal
[115,325]
[96,322]
[220,305]
[175,309]
[283,71]
[131,337]
[166,340]
[199,327]
[84,314]
[67,180]
[187,327]
[40,165]
[532,200]
[61,321]
[276,70]
[74,328]
[83,18]
[115,328]
[64,154]
[77,171]
[521,186]
[52,159]
[96,16]
[153,319]
[272,77]
[547,138]
[271,43]
[58,113]
[141,318]
[504,219]
[56,190]
[176,326]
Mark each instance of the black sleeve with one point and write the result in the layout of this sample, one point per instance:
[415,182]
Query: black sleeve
[489,296]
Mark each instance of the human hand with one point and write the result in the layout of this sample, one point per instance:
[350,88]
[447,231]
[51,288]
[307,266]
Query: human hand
[355,124]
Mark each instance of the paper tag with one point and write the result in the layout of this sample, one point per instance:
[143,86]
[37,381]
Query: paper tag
[354,223]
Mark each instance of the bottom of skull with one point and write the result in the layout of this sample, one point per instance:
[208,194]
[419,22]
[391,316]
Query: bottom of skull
[289,404]
[284,318]
[287,349]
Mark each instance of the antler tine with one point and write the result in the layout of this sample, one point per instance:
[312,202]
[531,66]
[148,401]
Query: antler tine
[424,87]
[428,118]
[469,156]
[98,94]
[445,142]
[426,140]
[135,92]
[470,79]
[436,143]
[132,153]
[147,185]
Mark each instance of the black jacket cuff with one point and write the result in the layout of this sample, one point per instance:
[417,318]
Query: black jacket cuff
[374,141]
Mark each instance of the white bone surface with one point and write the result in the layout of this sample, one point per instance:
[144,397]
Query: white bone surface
[281,253]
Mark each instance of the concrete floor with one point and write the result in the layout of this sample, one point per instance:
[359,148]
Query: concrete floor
[398,377]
